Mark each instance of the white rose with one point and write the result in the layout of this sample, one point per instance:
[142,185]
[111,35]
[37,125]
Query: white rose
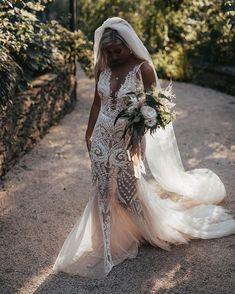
[150,122]
[148,112]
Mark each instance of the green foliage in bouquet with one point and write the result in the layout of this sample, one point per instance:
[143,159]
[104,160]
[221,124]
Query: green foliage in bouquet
[146,111]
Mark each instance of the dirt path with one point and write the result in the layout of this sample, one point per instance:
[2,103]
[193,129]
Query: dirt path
[45,193]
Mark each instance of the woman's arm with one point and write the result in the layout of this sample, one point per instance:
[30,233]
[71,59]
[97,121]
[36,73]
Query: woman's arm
[94,112]
[148,76]
[149,80]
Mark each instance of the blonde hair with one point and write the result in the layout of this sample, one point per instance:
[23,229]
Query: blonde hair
[109,37]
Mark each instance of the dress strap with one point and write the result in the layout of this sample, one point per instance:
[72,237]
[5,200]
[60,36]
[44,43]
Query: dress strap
[139,65]
[138,70]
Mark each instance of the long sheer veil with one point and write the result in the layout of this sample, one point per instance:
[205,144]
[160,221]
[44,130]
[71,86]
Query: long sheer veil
[162,153]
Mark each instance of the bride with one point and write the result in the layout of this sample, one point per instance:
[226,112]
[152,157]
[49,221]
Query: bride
[125,208]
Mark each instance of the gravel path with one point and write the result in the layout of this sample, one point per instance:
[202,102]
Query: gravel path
[45,193]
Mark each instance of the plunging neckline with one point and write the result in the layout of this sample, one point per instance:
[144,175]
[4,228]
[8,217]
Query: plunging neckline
[115,94]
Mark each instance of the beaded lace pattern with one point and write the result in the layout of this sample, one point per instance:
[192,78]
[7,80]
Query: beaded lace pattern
[112,169]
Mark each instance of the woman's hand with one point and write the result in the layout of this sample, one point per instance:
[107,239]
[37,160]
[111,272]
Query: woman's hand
[88,142]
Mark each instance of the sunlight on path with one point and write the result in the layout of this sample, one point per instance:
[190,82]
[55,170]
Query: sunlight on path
[35,281]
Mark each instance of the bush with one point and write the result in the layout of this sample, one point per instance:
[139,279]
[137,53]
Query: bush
[34,46]
[25,38]
[9,72]
[172,63]
[73,46]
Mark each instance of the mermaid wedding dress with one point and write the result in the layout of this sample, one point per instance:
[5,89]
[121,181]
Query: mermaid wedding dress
[125,208]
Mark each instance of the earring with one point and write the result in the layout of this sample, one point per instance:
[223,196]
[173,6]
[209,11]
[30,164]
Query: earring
[130,51]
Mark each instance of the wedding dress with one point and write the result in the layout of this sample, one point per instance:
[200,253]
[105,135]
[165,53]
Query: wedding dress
[125,208]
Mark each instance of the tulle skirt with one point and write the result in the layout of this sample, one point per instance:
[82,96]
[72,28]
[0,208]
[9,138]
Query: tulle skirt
[162,222]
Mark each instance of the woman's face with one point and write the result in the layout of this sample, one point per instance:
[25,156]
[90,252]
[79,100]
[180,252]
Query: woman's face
[117,53]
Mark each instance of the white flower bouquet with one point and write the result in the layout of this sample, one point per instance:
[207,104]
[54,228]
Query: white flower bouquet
[146,111]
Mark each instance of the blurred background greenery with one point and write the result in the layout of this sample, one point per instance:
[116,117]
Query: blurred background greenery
[178,33]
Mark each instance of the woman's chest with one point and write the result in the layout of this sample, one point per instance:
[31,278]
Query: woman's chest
[111,90]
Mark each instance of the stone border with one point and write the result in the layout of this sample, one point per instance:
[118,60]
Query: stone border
[26,120]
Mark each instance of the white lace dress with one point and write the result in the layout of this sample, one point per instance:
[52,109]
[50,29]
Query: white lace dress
[126,210]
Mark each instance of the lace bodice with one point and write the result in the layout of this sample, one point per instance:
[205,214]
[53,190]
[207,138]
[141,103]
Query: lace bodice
[112,104]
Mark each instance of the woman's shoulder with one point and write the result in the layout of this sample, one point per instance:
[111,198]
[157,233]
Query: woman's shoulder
[145,66]
[98,73]
[147,73]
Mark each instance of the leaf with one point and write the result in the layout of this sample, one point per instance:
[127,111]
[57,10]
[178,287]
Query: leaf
[150,101]
[28,15]
[35,6]
[131,93]
[121,114]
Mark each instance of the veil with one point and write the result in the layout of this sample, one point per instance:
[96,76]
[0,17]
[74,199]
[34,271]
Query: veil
[162,154]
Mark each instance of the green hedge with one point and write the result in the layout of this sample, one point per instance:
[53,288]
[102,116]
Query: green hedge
[36,71]
[30,47]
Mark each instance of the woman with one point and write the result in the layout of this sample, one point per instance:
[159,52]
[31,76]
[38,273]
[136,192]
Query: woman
[125,209]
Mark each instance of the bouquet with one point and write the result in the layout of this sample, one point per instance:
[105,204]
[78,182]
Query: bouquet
[146,111]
